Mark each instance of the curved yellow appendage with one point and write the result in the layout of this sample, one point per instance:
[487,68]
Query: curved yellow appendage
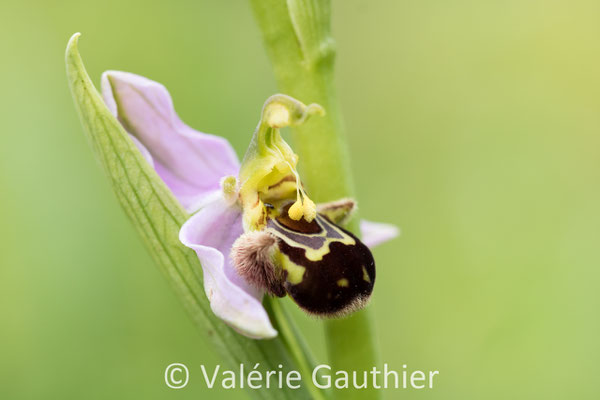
[270,160]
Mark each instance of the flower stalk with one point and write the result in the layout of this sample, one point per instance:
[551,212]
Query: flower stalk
[297,38]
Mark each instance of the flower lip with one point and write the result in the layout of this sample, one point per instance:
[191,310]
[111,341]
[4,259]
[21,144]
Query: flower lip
[325,269]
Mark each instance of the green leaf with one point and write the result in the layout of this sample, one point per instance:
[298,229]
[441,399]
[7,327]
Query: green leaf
[157,217]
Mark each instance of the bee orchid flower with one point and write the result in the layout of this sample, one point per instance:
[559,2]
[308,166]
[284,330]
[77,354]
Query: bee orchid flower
[253,226]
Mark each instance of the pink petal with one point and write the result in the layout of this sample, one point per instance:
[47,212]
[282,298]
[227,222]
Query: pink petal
[211,233]
[190,162]
[375,233]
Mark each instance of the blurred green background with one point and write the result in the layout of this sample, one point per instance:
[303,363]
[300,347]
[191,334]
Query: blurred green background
[472,125]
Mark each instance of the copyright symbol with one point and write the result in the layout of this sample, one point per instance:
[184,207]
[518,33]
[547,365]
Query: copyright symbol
[177,376]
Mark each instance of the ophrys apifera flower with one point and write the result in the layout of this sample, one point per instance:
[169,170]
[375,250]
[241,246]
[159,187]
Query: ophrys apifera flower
[254,227]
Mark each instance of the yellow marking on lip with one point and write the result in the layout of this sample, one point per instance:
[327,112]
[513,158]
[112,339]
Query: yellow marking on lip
[366,275]
[343,282]
[310,253]
[295,272]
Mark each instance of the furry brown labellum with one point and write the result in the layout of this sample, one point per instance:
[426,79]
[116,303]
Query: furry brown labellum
[325,269]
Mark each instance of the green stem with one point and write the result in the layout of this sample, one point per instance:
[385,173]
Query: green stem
[297,38]
[295,345]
